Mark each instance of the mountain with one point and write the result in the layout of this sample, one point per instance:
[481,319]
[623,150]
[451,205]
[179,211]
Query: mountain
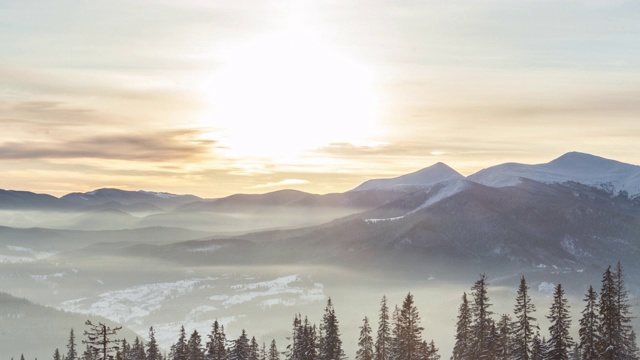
[431,175]
[578,167]
[162,200]
[25,200]
[36,330]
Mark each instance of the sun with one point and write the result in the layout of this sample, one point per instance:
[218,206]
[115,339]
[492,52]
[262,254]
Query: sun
[284,93]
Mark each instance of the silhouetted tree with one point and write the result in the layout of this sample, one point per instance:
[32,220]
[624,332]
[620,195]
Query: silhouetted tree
[481,326]
[383,337]
[365,342]
[524,323]
[461,349]
[589,336]
[330,344]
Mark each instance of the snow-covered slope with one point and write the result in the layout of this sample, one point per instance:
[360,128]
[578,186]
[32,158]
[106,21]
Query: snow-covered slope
[574,166]
[422,178]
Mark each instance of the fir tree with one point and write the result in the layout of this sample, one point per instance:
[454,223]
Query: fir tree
[432,352]
[100,345]
[524,323]
[125,350]
[633,351]
[179,349]
[293,352]
[263,352]
[56,355]
[463,331]
[610,346]
[589,336]
[365,342]
[409,331]
[254,349]
[72,354]
[137,350]
[273,351]
[194,347]
[383,337]
[560,342]
[537,348]
[217,344]
[331,344]
[504,343]
[623,314]
[481,326]
[153,352]
[241,349]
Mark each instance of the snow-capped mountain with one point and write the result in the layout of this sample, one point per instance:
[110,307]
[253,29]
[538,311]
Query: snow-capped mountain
[426,177]
[586,169]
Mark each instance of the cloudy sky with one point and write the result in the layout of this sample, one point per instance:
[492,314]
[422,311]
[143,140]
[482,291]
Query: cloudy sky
[220,97]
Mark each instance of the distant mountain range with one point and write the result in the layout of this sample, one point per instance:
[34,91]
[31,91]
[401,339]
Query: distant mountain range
[576,211]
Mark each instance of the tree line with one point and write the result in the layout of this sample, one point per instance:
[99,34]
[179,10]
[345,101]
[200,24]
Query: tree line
[605,333]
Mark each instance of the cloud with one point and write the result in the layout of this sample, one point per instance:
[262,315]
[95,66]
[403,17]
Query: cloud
[284,182]
[152,147]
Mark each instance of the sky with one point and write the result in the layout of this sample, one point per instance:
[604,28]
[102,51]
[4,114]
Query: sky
[219,97]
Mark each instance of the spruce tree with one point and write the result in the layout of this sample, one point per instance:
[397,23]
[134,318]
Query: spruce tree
[537,348]
[481,326]
[179,349]
[505,340]
[365,342]
[56,355]
[72,353]
[217,344]
[432,352]
[241,349]
[409,332]
[383,337]
[273,351]
[194,347]
[589,336]
[254,349]
[331,344]
[524,323]
[153,352]
[263,351]
[560,341]
[624,313]
[463,331]
[137,350]
[634,352]
[125,350]
[610,346]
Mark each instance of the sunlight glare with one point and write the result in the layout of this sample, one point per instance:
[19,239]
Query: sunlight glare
[285,93]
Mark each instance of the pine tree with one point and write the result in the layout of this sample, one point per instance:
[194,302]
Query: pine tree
[56,355]
[100,345]
[153,352]
[463,331]
[624,310]
[72,354]
[504,343]
[537,348]
[383,338]
[560,342]
[217,344]
[524,323]
[331,344]
[365,342]
[241,349]
[610,346]
[179,349]
[137,350]
[589,336]
[254,349]
[409,332]
[481,326]
[273,351]
[194,347]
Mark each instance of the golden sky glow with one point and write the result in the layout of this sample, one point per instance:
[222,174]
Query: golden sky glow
[220,97]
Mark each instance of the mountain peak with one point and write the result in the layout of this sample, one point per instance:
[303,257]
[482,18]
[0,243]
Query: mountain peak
[573,166]
[428,176]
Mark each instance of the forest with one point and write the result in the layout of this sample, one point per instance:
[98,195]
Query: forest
[605,333]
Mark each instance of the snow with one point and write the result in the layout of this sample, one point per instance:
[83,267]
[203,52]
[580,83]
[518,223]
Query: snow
[205,249]
[441,191]
[426,177]
[8,259]
[577,167]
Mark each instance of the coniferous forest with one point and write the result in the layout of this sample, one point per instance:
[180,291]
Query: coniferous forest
[605,333]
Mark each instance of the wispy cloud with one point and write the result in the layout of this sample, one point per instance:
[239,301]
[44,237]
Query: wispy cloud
[285,182]
[153,147]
